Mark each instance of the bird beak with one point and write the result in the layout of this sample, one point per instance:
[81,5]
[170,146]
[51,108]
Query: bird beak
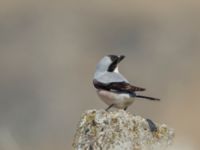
[120,58]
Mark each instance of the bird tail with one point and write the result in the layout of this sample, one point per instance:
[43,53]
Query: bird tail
[147,97]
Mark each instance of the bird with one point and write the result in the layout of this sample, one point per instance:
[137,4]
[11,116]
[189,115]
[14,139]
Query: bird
[112,87]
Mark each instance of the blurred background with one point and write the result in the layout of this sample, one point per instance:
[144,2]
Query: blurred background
[48,54]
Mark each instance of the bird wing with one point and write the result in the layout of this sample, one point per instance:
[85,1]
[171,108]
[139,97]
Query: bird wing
[112,81]
[117,86]
[125,87]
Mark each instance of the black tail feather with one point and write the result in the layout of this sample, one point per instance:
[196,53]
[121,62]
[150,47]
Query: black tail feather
[147,97]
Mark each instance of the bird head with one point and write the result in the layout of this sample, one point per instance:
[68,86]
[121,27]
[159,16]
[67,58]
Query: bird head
[115,60]
[109,63]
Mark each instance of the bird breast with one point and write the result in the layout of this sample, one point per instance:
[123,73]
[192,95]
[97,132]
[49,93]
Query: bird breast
[120,100]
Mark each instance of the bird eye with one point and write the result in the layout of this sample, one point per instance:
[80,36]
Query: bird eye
[113,57]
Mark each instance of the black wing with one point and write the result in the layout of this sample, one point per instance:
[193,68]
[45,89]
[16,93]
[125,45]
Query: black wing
[118,86]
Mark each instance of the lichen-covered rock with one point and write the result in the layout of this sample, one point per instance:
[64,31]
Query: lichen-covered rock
[119,130]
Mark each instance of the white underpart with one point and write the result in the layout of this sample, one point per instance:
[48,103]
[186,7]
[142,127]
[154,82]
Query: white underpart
[116,70]
[120,100]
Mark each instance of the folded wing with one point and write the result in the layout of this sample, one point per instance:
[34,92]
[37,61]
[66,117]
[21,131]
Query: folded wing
[117,86]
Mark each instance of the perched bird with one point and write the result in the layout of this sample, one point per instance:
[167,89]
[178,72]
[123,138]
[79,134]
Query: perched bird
[112,87]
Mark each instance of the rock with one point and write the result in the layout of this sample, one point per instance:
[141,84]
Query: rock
[120,130]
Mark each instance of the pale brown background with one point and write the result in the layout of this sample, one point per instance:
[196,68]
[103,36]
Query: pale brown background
[48,53]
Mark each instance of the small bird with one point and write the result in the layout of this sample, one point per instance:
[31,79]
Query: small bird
[112,87]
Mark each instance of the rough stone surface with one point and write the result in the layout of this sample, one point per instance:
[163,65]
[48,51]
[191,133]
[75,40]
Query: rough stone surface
[119,130]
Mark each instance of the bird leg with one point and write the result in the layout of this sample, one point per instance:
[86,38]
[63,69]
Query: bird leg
[109,107]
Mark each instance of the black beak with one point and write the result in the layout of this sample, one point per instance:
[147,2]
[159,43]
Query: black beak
[120,58]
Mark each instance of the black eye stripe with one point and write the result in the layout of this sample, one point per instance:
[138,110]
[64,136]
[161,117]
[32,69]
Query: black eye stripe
[113,65]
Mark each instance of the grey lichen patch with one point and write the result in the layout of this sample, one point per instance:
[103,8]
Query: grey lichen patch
[102,130]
